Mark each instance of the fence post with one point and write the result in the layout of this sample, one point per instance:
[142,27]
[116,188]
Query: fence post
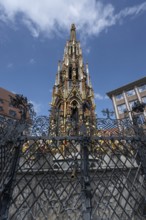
[86,188]
[138,108]
[6,192]
[26,110]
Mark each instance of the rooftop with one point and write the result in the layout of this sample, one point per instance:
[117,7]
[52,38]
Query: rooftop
[127,87]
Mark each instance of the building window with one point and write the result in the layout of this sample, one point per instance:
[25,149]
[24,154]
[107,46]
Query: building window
[119,97]
[1,101]
[144,99]
[122,108]
[131,103]
[1,109]
[12,113]
[10,104]
[130,92]
[138,119]
[142,88]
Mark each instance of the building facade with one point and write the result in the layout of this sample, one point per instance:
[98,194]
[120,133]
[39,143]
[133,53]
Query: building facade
[123,98]
[7,110]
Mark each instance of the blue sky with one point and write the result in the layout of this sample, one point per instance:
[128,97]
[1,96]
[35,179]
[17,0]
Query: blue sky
[33,34]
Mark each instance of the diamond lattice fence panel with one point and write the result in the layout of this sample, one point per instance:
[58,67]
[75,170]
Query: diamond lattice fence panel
[92,173]
[62,178]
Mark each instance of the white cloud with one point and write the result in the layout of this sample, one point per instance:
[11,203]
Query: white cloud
[87,50]
[37,106]
[10,65]
[99,96]
[32,61]
[135,10]
[14,92]
[31,27]
[106,97]
[49,17]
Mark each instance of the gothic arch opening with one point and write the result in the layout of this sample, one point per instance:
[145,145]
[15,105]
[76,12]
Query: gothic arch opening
[74,111]
[58,106]
[70,72]
[71,49]
[77,73]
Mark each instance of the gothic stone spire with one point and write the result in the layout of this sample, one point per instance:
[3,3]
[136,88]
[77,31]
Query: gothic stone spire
[72,90]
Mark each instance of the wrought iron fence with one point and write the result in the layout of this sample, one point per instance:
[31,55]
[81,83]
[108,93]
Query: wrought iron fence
[96,175]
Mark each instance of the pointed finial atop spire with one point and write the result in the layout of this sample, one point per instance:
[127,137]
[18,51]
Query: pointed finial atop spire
[59,66]
[87,69]
[73,33]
